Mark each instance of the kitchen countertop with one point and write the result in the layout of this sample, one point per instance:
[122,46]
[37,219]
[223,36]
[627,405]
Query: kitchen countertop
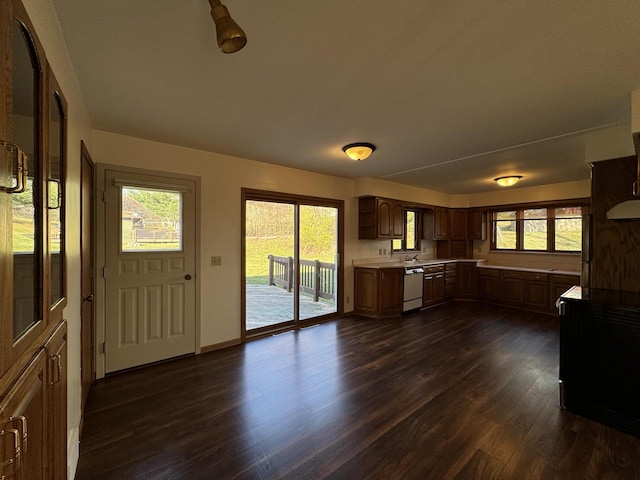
[480,263]
[415,263]
[616,299]
[534,270]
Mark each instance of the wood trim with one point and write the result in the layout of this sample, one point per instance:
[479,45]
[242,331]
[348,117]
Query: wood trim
[267,195]
[221,345]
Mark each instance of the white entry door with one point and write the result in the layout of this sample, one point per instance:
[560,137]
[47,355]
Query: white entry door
[150,269]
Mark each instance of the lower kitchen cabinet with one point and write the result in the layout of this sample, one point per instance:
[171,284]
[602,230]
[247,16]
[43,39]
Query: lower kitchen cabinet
[433,286]
[56,351]
[378,291]
[466,279]
[450,275]
[489,285]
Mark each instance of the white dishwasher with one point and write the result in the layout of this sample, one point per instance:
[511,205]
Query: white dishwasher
[412,288]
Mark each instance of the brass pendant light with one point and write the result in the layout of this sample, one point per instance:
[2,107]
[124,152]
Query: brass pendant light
[231,37]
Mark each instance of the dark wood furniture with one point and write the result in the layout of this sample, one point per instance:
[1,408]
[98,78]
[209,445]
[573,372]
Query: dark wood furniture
[477,224]
[612,265]
[378,291]
[531,290]
[380,218]
[466,280]
[33,358]
[433,286]
[600,355]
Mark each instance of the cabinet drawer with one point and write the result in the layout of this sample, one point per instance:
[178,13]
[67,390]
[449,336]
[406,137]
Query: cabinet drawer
[450,273]
[434,269]
[488,272]
[528,276]
[566,279]
[448,281]
[450,266]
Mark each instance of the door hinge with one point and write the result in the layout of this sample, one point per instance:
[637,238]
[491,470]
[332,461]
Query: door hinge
[104,196]
[102,348]
[104,272]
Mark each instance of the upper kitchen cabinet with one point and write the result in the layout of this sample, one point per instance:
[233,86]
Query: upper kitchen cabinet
[380,218]
[477,224]
[458,223]
[440,223]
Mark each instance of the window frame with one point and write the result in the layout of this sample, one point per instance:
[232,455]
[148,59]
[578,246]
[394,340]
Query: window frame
[417,229]
[550,207]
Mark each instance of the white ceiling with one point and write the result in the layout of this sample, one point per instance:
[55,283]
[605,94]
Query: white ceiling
[452,93]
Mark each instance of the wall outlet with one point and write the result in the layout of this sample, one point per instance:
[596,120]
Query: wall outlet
[379,251]
[216,261]
[348,299]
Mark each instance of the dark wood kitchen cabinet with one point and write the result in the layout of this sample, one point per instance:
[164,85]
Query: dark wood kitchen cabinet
[440,223]
[433,286]
[378,292]
[489,285]
[512,288]
[477,224]
[380,218]
[458,223]
[466,280]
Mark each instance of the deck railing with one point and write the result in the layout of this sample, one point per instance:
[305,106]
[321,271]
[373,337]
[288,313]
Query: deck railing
[316,277]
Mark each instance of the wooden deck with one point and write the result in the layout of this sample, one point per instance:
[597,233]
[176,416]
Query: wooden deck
[268,305]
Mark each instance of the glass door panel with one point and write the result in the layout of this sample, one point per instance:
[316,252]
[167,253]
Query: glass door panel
[55,200]
[318,261]
[269,264]
[27,237]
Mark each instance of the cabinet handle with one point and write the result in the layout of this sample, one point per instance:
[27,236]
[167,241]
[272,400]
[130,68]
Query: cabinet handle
[15,461]
[56,369]
[22,421]
[21,168]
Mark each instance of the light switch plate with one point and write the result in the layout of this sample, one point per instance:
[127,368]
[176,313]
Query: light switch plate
[216,261]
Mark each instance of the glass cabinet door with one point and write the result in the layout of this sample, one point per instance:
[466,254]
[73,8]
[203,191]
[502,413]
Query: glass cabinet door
[26,214]
[55,198]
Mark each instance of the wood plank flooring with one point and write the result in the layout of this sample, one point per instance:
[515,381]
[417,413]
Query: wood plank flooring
[459,391]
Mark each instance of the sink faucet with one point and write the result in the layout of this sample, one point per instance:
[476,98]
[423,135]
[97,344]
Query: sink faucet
[408,258]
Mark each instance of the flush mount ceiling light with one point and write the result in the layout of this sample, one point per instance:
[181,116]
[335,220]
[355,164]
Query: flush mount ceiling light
[359,151]
[508,181]
[231,37]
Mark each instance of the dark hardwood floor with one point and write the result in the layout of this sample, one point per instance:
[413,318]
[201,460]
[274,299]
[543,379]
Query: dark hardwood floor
[459,391]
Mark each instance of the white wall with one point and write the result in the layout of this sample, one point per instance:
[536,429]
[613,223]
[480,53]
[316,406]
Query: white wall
[44,19]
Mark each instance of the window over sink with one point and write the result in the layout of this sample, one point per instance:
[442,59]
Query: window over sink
[412,228]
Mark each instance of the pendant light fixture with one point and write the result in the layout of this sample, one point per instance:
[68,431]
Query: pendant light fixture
[508,181]
[359,151]
[231,37]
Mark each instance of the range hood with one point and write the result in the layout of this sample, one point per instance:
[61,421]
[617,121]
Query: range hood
[630,210]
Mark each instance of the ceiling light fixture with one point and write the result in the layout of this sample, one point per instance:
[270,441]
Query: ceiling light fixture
[508,181]
[231,37]
[359,151]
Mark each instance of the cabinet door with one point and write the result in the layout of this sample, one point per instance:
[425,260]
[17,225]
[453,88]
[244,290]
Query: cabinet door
[398,220]
[465,280]
[21,225]
[489,285]
[441,223]
[390,291]
[477,224]
[24,415]
[366,290]
[428,290]
[438,287]
[56,351]
[458,224]
[512,291]
[536,294]
[385,214]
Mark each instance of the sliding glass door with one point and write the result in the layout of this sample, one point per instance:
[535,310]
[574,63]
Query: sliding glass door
[291,260]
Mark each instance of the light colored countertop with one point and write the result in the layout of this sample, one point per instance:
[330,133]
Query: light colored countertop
[480,263]
[535,270]
[415,263]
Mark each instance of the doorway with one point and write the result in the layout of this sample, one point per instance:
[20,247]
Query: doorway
[150,267]
[87,261]
[292,274]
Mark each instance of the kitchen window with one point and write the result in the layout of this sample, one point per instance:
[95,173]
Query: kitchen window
[412,228]
[536,228]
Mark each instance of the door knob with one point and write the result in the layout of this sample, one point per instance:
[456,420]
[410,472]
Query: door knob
[187,277]
[88,298]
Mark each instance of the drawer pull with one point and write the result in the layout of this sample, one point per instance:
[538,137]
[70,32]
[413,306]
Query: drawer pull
[14,462]
[23,426]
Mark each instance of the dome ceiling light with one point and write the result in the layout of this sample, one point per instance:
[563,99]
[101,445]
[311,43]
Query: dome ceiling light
[359,151]
[508,181]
